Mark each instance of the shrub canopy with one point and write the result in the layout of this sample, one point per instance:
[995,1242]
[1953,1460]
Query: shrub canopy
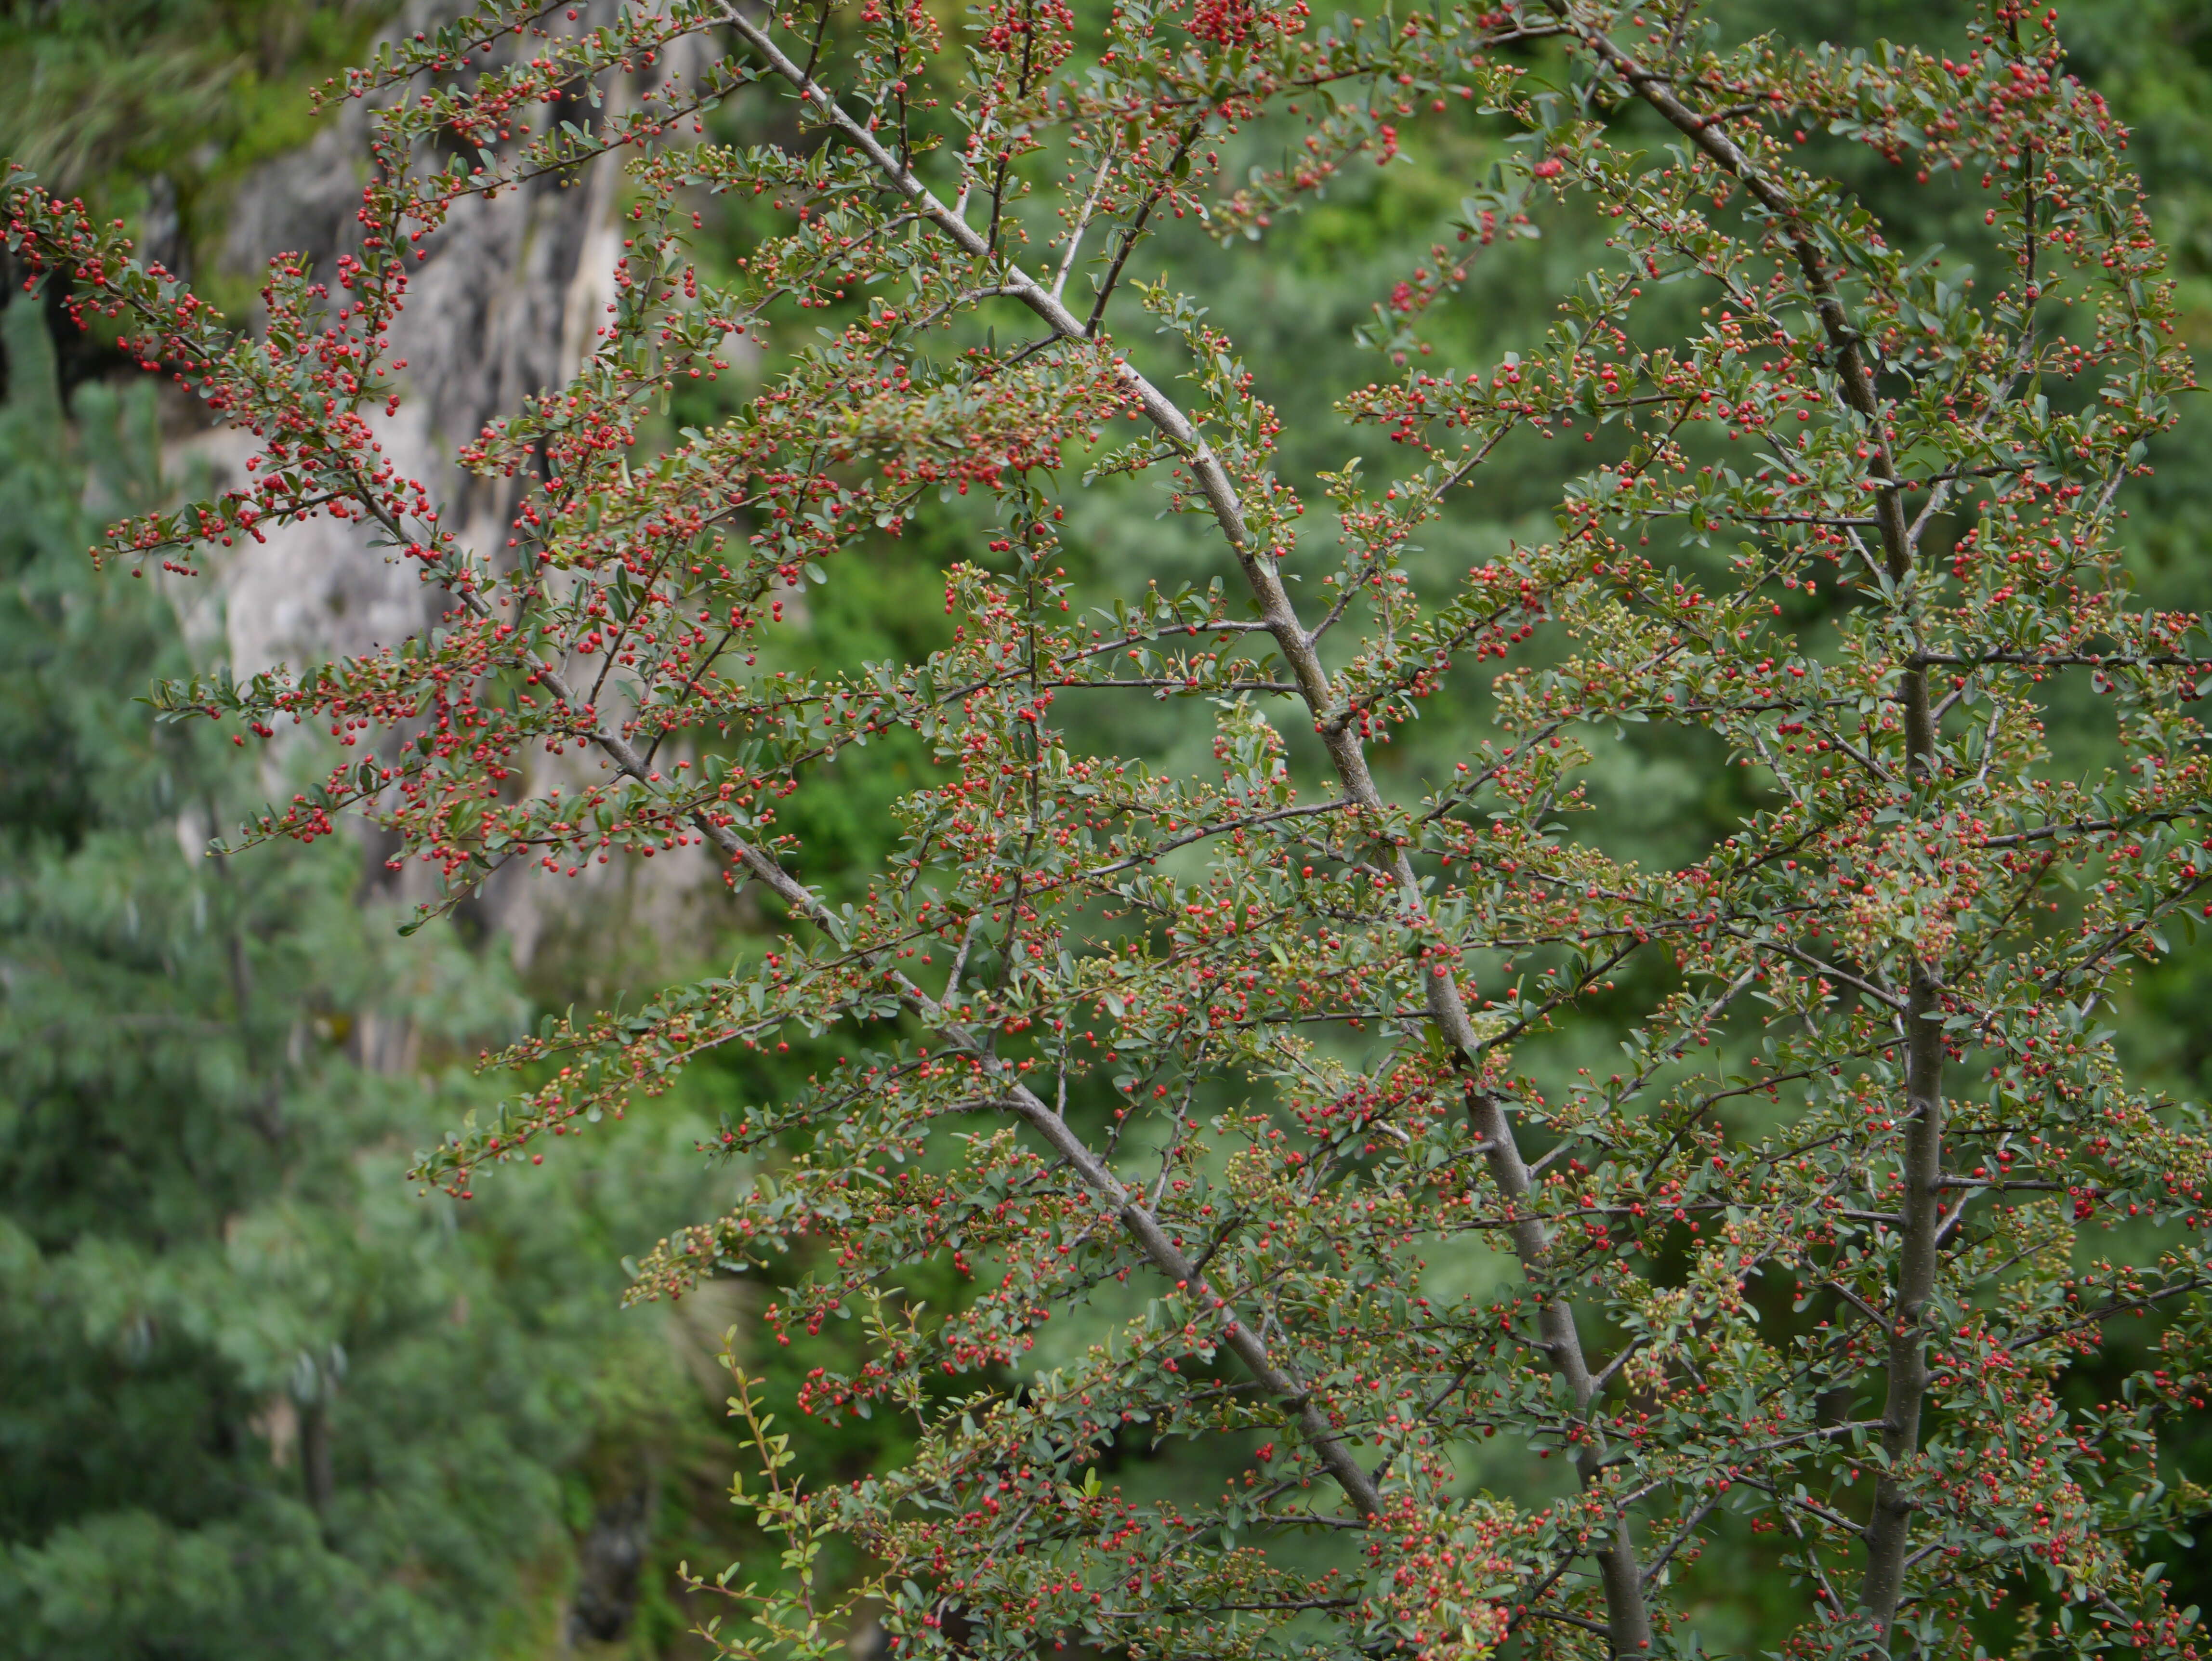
[1206,1051]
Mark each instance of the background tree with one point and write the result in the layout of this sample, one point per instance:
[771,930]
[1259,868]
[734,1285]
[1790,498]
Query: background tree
[258,1400]
[1298,1000]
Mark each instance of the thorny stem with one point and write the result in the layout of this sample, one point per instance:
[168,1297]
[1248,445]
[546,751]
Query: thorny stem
[1889,1531]
[1153,1240]
[1629,1628]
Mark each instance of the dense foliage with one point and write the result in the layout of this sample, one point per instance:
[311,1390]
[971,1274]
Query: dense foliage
[1213,1063]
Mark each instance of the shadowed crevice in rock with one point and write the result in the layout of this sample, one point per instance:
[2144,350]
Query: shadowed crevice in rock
[609,1559]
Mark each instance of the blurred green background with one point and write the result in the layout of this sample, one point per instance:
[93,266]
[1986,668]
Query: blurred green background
[259,1399]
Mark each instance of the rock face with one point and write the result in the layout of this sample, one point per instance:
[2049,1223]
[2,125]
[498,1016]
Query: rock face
[503,307]
[500,310]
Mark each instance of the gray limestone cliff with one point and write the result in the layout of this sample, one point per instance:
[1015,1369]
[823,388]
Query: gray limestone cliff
[504,307]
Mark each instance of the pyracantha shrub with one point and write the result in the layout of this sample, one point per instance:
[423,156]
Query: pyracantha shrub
[1210,1054]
